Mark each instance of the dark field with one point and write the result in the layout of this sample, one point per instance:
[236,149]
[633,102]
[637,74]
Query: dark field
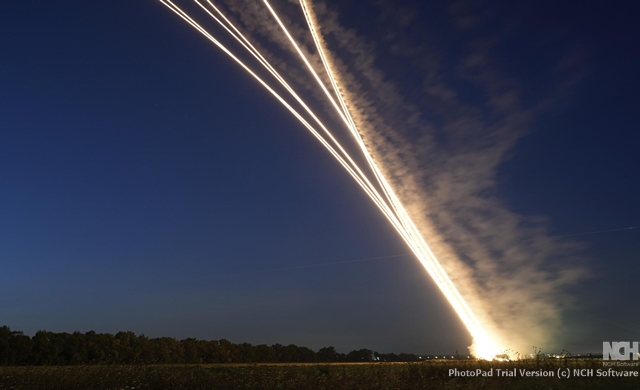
[428,375]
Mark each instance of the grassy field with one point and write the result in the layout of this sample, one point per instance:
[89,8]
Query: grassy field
[427,375]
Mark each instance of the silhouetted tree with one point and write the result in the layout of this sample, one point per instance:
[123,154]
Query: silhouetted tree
[361,355]
[328,354]
[48,348]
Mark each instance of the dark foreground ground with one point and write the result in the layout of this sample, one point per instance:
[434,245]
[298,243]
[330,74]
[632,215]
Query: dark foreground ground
[428,375]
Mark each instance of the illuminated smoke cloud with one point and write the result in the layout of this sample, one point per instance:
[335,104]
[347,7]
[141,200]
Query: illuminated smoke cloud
[491,264]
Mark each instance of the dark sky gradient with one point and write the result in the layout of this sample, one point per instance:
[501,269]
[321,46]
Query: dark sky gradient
[144,179]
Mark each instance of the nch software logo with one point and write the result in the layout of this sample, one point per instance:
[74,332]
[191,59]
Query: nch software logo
[619,350]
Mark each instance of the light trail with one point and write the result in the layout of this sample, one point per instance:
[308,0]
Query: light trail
[387,201]
[484,344]
[185,17]
[362,180]
[256,53]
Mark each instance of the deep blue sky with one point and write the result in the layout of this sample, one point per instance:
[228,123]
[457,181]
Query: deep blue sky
[144,178]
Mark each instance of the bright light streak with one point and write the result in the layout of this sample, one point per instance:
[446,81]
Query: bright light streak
[195,25]
[386,199]
[484,344]
[361,179]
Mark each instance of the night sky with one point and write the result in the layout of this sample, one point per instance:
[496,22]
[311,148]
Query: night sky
[147,184]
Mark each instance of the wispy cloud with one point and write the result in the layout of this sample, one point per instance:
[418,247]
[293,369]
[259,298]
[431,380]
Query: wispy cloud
[442,151]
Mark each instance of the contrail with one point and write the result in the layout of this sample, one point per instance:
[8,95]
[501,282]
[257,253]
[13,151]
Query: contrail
[409,254]
[588,233]
[290,268]
[383,196]
[596,232]
[296,267]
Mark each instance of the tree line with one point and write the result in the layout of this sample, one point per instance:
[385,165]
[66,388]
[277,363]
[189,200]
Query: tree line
[49,348]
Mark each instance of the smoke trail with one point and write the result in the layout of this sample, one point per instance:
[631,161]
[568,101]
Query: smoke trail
[484,345]
[511,284]
[471,232]
[348,164]
[391,206]
[456,207]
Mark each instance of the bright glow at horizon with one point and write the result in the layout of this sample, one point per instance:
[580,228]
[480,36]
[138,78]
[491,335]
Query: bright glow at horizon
[382,194]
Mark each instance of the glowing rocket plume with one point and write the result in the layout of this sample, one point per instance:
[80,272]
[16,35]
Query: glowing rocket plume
[484,346]
[386,199]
